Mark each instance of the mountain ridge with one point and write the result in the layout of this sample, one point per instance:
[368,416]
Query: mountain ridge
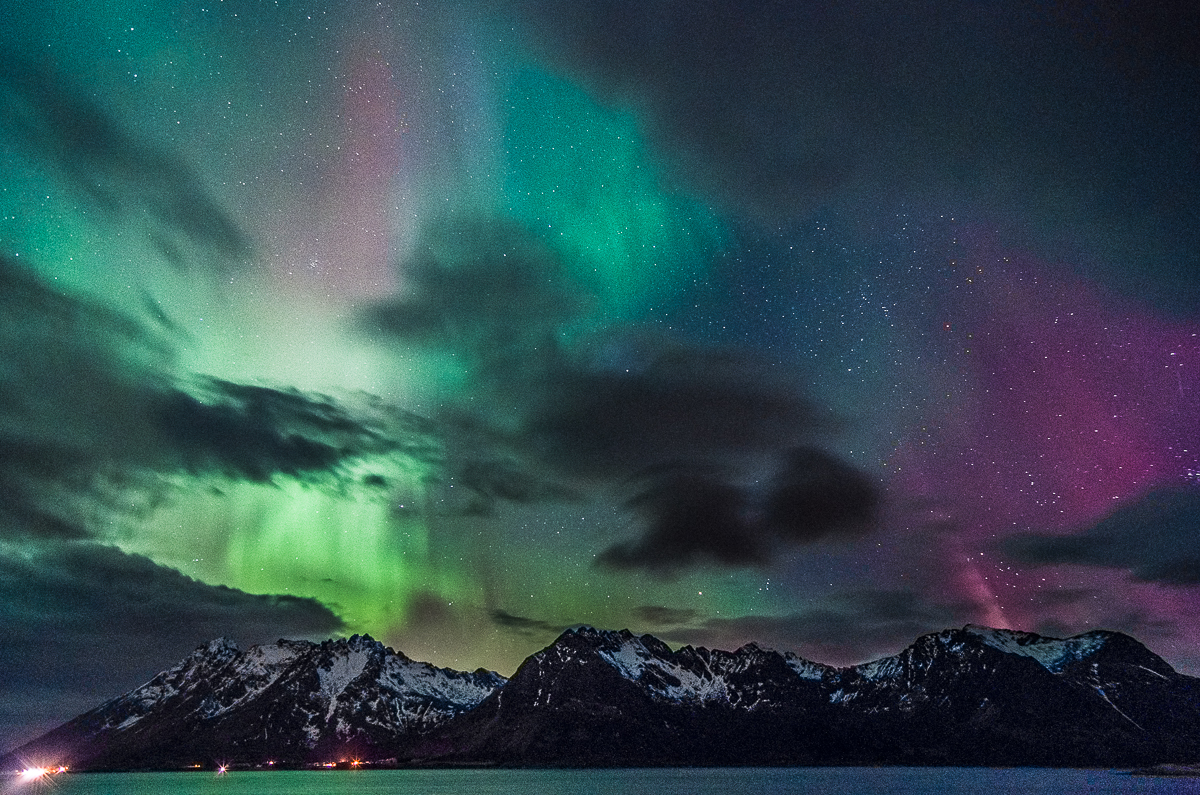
[347,695]
[594,697]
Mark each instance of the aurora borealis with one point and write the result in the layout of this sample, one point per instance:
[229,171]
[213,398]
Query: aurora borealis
[462,323]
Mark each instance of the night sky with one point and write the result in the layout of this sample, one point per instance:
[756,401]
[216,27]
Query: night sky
[460,323]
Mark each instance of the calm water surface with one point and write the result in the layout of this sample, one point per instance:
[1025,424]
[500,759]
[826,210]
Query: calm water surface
[857,781]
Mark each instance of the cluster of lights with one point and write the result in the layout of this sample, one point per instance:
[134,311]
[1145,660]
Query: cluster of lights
[35,773]
[354,763]
[223,768]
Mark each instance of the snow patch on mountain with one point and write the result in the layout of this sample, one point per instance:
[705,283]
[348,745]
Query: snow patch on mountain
[1052,653]
[341,671]
[805,669]
[630,658]
[215,650]
[663,678]
[426,681]
[125,724]
[886,668]
[274,654]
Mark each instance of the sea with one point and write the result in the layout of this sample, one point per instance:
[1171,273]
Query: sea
[657,781]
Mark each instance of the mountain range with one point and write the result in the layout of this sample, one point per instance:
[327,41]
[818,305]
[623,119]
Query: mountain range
[970,696]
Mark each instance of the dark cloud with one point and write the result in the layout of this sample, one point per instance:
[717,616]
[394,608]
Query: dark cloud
[506,479]
[428,610]
[521,625]
[1156,538]
[651,401]
[660,615]
[84,623]
[553,424]
[241,440]
[94,420]
[76,379]
[556,401]
[692,518]
[562,385]
[766,106]
[697,516]
[485,290]
[1080,113]
[56,124]
[816,496]
[258,433]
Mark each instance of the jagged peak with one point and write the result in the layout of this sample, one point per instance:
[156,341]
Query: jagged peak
[608,638]
[352,644]
[1026,638]
[588,631]
[292,643]
[218,647]
[279,653]
[627,644]
[363,642]
[1005,635]
[755,649]
[583,629]
[1052,653]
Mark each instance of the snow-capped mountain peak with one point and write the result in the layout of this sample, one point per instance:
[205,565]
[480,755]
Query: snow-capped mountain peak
[666,676]
[750,675]
[285,700]
[1053,653]
[218,646]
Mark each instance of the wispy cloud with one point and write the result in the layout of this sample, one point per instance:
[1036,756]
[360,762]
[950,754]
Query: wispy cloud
[56,123]
[1155,538]
[557,403]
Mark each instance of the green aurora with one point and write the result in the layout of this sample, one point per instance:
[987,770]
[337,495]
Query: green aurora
[575,173]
